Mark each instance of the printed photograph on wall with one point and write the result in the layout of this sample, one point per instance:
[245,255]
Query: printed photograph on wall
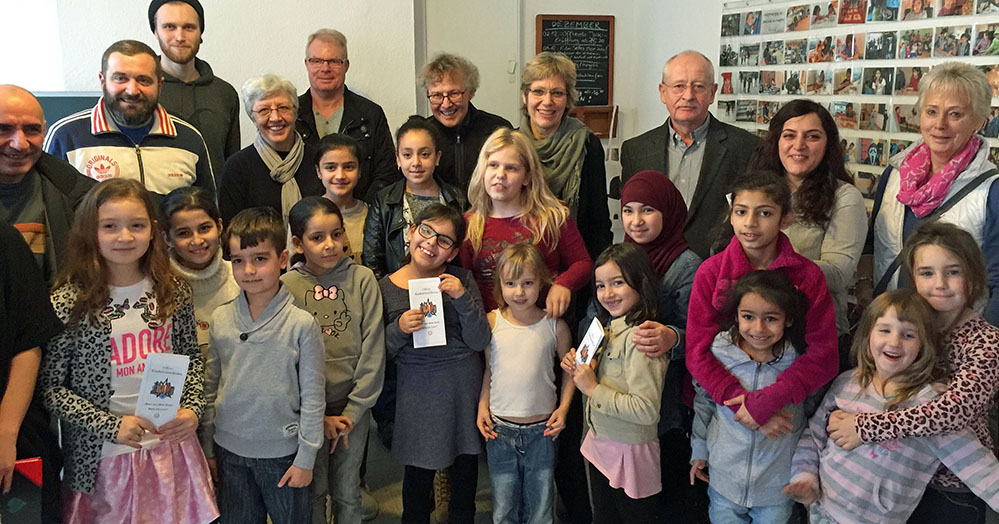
[873,117]
[726,83]
[849,147]
[992,75]
[882,11]
[773,53]
[952,41]
[795,51]
[745,110]
[880,46]
[792,84]
[915,43]
[749,54]
[773,22]
[915,9]
[877,80]
[988,6]
[850,47]
[797,18]
[852,11]
[771,82]
[907,118]
[986,41]
[749,82]
[727,57]
[824,14]
[896,146]
[820,49]
[994,155]
[751,23]
[991,128]
[867,183]
[955,7]
[845,114]
[730,25]
[767,110]
[871,151]
[907,79]
[847,81]
[818,82]
[726,111]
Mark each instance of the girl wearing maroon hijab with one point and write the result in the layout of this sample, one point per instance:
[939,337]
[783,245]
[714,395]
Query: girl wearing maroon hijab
[654,215]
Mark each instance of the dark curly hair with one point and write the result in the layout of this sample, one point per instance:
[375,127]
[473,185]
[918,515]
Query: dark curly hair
[812,201]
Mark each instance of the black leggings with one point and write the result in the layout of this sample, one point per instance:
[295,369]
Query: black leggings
[613,506]
[418,487]
[943,506]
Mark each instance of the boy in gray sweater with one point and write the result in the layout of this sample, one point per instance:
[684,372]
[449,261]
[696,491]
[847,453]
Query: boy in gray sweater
[264,383]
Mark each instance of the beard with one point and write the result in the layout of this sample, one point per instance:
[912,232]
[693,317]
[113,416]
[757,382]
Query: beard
[129,117]
[182,57]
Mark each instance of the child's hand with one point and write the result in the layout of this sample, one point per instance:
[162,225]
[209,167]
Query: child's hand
[132,429]
[182,426]
[803,489]
[697,470]
[452,286]
[842,428]
[411,321]
[780,424]
[336,427]
[213,469]
[742,416]
[557,301]
[569,362]
[585,379]
[556,423]
[296,477]
[484,421]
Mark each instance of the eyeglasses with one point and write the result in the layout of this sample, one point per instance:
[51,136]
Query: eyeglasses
[332,62]
[557,94]
[679,89]
[427,232]
[453,96]
[281,110]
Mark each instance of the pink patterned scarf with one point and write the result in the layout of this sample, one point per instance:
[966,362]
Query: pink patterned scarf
[921,189]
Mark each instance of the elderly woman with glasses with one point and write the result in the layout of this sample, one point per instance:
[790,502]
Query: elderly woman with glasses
[571,155]
[277,170]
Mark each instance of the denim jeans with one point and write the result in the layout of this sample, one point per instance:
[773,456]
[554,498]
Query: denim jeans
[724,511]
[521,470]
[249,491]
[338,475]
[948,506]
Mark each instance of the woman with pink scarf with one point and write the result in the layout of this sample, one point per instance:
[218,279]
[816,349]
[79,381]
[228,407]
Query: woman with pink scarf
[953,105]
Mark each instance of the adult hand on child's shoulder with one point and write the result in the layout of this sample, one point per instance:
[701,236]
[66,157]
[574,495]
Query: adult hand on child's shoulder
[653,338]
[451,285]
[296,477]
[842,428]
[411,321]
[557,301]
[184,425]
[803,489]
[697,470]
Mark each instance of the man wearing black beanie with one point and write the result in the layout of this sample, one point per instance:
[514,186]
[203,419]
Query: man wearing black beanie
[191,91]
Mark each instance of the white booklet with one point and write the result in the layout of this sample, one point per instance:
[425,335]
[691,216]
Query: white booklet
[591,342]
[162,384]
[425,295]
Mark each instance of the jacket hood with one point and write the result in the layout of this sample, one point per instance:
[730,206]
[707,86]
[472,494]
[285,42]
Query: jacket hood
[205,74]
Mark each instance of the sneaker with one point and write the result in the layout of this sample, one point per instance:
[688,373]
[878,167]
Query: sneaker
[369,506]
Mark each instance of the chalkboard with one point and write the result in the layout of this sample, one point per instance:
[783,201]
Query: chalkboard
[589,42]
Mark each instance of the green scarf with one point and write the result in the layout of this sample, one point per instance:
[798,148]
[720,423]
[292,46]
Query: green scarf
[562,156]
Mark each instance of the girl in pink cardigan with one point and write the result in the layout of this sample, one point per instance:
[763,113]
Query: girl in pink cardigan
[761,206]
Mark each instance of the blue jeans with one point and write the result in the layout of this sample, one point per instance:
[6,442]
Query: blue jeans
[338,475]
[723,511]
[248,491]
[521,471]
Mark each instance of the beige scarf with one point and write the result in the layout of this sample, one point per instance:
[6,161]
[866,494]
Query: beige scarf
[283,170]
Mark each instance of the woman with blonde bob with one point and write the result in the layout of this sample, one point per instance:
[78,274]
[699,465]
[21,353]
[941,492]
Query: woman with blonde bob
[510,202]
[953,105]
[572,158]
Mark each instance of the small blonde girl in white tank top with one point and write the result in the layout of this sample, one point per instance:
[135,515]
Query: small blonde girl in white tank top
[520,410]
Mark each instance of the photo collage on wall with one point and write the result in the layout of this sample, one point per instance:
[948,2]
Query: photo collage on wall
[861,59]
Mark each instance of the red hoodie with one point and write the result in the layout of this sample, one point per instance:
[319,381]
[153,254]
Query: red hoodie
[809,372]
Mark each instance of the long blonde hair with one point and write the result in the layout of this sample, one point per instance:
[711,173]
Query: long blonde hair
[543,214]
[908,307]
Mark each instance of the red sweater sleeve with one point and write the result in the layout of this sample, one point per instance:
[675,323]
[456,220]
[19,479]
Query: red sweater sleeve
[575,266]
[820,362]
[702,326]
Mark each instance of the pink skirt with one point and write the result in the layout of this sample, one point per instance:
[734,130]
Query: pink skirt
[168,483]
[632,467]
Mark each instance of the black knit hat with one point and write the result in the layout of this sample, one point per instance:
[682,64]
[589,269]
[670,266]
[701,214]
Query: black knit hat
[155,5]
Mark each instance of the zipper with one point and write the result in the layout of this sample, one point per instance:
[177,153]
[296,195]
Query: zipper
[142,172]
[459,164]
[752,444]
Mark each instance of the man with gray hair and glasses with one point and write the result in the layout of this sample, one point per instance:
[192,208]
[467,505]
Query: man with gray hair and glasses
[329,107]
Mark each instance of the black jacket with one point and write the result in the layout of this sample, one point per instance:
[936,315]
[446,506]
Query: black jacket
[364,121]
[385,228]
[460,149]
[727,152]
[246,182]
[63,187]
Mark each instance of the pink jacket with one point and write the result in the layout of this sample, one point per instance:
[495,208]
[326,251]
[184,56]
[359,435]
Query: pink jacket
[814,369]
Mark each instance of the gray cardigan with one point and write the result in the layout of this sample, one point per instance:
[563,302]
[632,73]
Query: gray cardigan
[264,382]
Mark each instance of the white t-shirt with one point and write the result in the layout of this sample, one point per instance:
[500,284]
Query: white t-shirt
[135,334]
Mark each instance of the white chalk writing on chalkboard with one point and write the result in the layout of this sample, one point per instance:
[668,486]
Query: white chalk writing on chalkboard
[588,44]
